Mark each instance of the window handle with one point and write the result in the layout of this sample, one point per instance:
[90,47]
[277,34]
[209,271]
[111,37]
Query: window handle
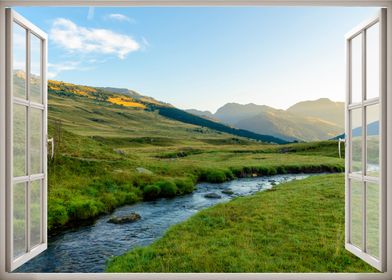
[51,141]
[341,140]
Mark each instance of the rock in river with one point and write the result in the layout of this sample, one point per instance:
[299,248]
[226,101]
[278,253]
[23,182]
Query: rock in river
[228,192]
[212,195]
[133,217]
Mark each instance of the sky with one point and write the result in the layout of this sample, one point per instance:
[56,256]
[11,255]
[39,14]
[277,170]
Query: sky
[202,57]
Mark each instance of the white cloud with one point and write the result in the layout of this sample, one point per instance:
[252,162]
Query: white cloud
[55,69]
[119,17]
[68,35]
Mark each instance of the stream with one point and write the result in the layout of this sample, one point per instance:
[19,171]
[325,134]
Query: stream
[86,249]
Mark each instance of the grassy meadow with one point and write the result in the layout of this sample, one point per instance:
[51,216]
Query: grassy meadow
[109,154]
[112,150]
[295,227]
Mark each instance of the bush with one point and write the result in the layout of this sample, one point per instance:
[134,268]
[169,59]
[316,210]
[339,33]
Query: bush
[151,192]
[109,201]
[131,197]
[141,180]
[281,170]
[184,186]
[272,171]
[82,209]
[168,188]
[57,214]
[213,176]
[229,174]
[237,171]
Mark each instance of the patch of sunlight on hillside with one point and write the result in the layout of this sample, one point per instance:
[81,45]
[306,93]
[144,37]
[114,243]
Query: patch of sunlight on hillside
[126,101]
[75,89]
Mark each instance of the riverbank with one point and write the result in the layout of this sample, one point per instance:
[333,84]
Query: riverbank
[108,155]
[294,227]
[82,189]
[88,248]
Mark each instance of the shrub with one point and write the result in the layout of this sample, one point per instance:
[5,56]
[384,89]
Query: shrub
[213,176]
[109,201]
[57,215]
[82,209]
[141,180]
[262,171]
[131,197]
[168,188]
[272,171]
[229,174]
[237,171]
[151,192]
[184,186]
[281,170]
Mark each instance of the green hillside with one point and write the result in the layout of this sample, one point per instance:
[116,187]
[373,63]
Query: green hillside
[126,98]
[112,149]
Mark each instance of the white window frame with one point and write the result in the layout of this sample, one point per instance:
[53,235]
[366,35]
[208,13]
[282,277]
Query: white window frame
[361,29]
[305,276]
[32,251]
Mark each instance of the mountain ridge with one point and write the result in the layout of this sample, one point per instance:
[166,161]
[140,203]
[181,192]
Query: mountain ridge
[308,120]
[129,98]
[304,121]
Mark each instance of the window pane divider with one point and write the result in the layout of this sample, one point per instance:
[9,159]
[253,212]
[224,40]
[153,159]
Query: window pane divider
[363,140]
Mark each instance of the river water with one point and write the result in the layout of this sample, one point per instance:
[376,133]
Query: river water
[86,249]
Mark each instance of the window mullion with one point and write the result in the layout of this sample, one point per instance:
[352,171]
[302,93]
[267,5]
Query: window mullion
[28,68]
[364,136]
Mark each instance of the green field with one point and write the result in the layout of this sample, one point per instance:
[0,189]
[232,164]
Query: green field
[294,227]
[112,150]
[100,146]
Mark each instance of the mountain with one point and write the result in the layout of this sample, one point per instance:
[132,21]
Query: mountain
[147,108]
[186,117]
[232,113]
[322,108]
[206,114]
[288,126]
[305,121]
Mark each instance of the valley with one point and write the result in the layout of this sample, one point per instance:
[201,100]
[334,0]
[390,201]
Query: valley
[113,149]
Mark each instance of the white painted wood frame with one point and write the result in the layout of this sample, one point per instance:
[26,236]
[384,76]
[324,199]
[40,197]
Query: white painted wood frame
[362,177]
[344,3]
[30,250]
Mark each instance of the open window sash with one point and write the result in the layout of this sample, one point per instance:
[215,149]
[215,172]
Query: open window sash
[26,113]
[365,111]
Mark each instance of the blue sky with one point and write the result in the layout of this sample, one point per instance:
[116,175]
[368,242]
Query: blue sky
[203,57]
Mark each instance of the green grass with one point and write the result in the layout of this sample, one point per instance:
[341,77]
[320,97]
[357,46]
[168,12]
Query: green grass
[99,146]
[294,227]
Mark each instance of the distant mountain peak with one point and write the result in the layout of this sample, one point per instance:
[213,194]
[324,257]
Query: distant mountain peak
[306,120]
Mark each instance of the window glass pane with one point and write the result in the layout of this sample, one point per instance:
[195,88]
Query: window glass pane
[356,69]
[373,219]
[36,141]
[19,61]
[373,140]
[35,214]
[19,141]
[35,69]
[356,212]
[19,219]
[373,61]
[356,134]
